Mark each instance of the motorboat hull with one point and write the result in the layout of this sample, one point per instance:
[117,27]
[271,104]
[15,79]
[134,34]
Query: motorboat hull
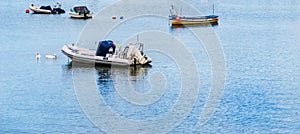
[83,55]
[202,20]
[37,10]
[80,16]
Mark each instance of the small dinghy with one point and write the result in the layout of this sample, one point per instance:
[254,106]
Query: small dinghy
[106,53]
[80,12]
[46,9]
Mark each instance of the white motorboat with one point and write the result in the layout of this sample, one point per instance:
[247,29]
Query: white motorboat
[46,9]
[132,54]
[80,12]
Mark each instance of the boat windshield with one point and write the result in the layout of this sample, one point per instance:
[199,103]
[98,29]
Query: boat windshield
[83,9]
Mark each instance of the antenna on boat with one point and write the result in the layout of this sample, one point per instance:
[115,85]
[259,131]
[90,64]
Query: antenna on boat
[180,11]
[213,9]
[173,11]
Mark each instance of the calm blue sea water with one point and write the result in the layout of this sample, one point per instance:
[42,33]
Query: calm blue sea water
[260,41]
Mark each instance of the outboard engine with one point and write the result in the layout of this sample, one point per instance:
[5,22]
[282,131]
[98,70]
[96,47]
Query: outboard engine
[135,54]
[104,48]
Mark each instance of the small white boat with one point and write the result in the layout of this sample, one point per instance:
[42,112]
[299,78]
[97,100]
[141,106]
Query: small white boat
[80,12]
[46,9]
[132,54]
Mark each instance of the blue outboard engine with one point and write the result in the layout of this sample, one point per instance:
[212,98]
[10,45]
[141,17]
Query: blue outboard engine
[104,46]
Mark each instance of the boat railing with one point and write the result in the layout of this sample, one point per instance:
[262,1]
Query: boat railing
[123,54]
[140,46]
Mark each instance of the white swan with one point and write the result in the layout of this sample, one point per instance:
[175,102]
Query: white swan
[53,56]
[38,56]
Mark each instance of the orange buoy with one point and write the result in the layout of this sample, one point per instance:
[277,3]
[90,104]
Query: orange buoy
[27,11]
[114,17]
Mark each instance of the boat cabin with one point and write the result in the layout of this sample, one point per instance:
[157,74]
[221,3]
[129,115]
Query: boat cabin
[81,9]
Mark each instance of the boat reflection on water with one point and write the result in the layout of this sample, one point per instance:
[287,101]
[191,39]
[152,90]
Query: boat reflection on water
[132,73]
[108,73]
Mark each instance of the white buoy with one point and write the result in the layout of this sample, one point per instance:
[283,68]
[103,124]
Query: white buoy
[38,56]
[53,56]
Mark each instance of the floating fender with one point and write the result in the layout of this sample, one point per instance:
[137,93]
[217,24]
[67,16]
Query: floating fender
[113,17]
[27,11]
